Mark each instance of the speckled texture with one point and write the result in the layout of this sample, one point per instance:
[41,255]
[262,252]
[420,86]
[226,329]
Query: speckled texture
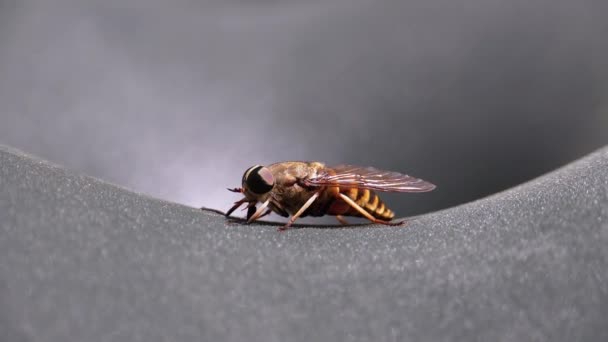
[82,260]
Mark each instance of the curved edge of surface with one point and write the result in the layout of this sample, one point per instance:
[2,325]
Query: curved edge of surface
[81,259]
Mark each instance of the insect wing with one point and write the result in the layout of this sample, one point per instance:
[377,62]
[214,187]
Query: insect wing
[350,176]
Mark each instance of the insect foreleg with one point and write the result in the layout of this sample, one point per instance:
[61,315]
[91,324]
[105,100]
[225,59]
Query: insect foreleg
[235,206]
[258,212]
[278,208]
[268,211]
[300,211]
[250,210]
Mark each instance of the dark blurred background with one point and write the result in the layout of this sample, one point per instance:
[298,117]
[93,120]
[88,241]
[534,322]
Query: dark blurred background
[176,98]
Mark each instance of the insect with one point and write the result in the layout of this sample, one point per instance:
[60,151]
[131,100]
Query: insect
[300,189]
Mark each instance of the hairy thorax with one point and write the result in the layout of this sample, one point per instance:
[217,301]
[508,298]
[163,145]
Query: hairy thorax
[291,193]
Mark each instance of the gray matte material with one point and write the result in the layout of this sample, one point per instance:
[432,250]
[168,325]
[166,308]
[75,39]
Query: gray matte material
[83,260]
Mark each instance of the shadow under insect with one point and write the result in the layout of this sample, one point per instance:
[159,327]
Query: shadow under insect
[245,221]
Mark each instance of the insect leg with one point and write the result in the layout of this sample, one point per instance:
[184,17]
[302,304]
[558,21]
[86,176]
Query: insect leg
[368,215]
[278,208]
[235,206]
[293,218]
[258,212]
[268,211]
[341,219]
[250,210]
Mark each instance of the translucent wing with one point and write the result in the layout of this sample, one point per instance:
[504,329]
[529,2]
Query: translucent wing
[349,176]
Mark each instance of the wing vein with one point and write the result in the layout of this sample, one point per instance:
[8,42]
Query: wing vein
[350,176]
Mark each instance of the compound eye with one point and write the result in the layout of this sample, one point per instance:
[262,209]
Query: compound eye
[258,179]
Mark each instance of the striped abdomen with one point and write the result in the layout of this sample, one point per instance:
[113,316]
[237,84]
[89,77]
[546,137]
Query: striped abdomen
[366,199]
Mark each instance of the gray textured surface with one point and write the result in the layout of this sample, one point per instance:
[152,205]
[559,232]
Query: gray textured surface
[82,260]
